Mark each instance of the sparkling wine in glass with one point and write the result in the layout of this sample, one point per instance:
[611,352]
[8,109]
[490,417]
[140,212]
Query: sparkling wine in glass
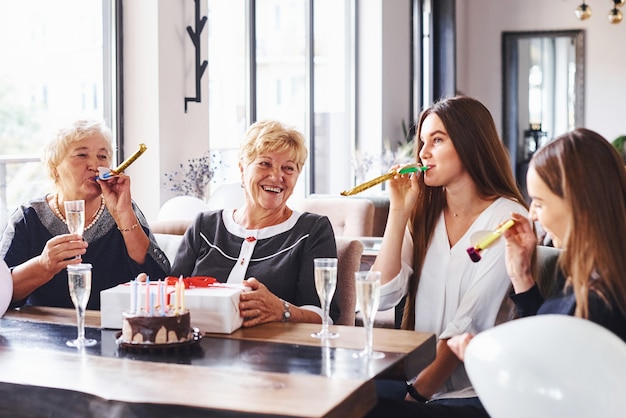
[75,216]
[325,284]
[368,298]
[79,282]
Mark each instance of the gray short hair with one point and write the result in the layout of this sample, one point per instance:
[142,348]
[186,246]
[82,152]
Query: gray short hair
[56,149]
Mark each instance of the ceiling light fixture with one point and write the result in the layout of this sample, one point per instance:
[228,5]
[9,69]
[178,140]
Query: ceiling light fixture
[615,15]
[583,11]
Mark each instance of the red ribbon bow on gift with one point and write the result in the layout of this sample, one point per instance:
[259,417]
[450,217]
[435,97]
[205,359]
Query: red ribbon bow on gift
[191,282]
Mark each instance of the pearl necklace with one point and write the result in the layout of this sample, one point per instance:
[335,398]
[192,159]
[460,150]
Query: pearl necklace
[57,211]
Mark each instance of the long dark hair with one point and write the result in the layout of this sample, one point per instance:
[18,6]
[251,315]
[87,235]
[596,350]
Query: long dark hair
[475,138]
[587,172]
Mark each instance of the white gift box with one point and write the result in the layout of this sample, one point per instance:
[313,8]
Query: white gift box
[213,309]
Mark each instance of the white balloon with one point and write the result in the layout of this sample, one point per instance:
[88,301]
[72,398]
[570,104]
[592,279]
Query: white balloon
[549,366]
[6,287]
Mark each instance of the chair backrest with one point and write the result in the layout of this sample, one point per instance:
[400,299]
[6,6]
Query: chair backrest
[169,243]
[381,212]
[349,252]
[547,258]
[349,217]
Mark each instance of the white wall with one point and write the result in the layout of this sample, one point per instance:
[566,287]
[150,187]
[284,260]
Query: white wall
[159,72]
[383,72]
[480,24]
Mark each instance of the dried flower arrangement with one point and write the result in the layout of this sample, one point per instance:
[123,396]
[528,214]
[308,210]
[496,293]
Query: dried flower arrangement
[194,178]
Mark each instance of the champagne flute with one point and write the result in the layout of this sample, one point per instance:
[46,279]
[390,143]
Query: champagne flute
[75,217]
[79,282]
[368,298]
[325,284]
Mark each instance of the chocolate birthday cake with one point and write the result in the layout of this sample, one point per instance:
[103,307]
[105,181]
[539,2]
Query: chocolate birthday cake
[172,328]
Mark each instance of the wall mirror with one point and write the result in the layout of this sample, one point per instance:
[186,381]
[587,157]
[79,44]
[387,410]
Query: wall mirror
[543,89]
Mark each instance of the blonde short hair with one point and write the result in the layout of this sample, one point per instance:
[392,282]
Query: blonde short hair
[272,136]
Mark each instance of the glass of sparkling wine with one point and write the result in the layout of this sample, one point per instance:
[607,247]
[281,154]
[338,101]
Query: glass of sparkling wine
[79,281]
[325,283]
[367,298]
[75,217]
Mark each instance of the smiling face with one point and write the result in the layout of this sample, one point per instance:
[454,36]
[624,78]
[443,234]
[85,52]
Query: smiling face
[270,179]
[79,165]
[438,153]
[550,210]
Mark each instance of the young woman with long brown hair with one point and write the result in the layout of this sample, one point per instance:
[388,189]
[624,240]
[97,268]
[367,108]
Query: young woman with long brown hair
[468,188]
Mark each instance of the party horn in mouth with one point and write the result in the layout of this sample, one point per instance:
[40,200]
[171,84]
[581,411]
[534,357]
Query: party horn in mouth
[415,168]
[488,239]
[105,173]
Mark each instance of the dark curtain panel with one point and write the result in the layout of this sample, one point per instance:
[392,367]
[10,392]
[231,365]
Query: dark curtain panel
[443,41]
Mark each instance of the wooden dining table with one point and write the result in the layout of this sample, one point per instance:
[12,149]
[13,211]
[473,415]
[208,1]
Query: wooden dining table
[271,370]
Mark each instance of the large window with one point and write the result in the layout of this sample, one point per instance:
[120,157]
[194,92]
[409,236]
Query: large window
[57,66]
[290,60]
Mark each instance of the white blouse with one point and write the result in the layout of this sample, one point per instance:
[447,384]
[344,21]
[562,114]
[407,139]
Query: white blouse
[456,295]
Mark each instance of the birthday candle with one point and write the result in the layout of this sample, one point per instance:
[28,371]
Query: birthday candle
[151,310]
[179,299]
[147,307]
[176,297]
[182,295]
[162,297]
[138,297]
[133,296]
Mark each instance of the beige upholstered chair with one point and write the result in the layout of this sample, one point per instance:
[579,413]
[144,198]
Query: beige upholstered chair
[349,217]
[349,253]
[381,209]
[381,212]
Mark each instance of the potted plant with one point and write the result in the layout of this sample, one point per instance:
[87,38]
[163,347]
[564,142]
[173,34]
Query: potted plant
[620,144]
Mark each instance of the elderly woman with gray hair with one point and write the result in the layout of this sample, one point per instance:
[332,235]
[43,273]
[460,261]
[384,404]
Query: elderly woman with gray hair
[37,245]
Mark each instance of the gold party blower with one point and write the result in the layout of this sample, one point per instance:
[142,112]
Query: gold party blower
[415,168]
[487,240]
[105,173]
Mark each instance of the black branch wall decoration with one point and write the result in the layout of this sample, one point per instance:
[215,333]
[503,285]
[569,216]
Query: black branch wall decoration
[200,66]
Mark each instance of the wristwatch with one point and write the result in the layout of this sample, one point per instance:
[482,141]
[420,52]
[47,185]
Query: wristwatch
[286,312]
[414,393]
